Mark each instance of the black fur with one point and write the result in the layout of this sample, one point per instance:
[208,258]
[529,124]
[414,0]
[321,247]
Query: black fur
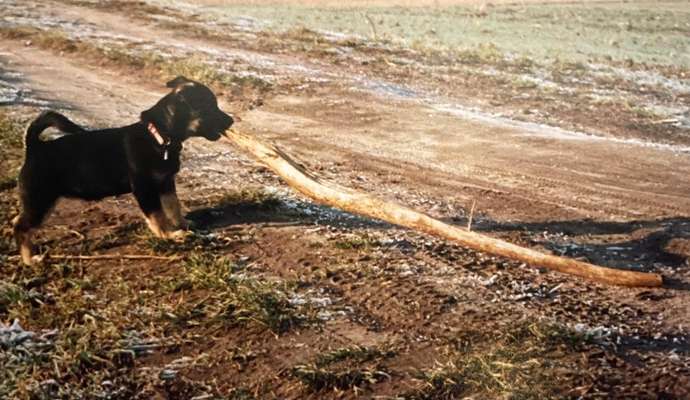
[91,165]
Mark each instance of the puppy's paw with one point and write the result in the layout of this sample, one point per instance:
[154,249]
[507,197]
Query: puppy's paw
[36,259]
[178,236]
[28,261]
[28,257]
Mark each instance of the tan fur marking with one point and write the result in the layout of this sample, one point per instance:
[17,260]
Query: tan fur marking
[193,125]
[172,209]
[158,224]
[179,88]
[25,248]
[22,237]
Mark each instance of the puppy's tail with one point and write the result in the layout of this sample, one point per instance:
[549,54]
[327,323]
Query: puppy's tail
[46,120]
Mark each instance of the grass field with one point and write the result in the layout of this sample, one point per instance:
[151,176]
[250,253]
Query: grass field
[653,32]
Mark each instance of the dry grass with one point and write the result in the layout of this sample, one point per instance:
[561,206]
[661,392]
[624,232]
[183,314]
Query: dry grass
[11,150]
[81,353]
[11,155]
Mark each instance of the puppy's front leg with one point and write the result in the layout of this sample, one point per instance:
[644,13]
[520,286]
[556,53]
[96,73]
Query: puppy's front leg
[171,205]
[147,194]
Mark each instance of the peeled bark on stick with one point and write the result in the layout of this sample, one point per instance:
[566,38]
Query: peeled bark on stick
[360,203]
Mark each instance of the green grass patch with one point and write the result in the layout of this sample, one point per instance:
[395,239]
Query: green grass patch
[237,299]
[11,155]
[11,295]
[11,134]
[80,334]
[321,379]
[511,364]
[346,368]
[8,209]
[199,70]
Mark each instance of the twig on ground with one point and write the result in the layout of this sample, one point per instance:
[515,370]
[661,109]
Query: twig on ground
[107,257]
[469,221]
[373,26]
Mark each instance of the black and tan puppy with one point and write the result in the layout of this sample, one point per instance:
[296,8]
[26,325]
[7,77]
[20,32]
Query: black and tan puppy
[142,158]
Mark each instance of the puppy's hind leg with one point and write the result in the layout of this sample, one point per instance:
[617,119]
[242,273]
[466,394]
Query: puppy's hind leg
[22,236]
[24,226]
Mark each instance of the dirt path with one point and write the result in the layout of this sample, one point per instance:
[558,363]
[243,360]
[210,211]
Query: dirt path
[96,97]
[622,204]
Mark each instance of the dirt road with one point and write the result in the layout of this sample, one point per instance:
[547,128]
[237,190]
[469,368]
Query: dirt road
[614,201]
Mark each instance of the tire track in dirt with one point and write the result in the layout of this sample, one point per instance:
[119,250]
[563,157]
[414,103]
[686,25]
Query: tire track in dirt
[607,194]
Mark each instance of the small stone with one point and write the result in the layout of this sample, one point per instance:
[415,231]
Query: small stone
[168,374]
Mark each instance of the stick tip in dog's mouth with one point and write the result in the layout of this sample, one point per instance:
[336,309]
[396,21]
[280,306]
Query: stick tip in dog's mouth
[230,131]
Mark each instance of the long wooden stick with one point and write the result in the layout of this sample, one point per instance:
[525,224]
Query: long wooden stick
[360,203]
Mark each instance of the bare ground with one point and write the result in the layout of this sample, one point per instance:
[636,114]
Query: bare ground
[439,309]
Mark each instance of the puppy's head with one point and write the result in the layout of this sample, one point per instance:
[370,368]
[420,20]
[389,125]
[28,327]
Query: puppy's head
[190,109]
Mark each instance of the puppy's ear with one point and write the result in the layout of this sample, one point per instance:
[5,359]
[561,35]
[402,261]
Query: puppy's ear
[177,82]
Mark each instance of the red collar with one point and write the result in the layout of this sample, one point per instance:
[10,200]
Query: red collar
[157,135]
[164,142]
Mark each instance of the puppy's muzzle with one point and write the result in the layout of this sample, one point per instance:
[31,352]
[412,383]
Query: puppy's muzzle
[224,123]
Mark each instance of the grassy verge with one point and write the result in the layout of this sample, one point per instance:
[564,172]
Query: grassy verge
[149,65]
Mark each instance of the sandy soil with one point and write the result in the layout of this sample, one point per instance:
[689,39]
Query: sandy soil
[612,202]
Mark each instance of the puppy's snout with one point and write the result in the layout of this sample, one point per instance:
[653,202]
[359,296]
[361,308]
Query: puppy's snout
[228,121]
[221,123]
